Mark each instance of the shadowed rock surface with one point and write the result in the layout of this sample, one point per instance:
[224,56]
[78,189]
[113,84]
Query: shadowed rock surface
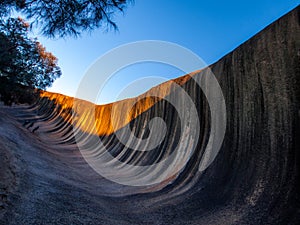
[253,180]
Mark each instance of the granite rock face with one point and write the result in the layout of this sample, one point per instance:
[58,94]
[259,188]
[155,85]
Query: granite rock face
[254,178]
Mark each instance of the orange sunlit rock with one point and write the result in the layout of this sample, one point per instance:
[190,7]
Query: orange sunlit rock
[110,117]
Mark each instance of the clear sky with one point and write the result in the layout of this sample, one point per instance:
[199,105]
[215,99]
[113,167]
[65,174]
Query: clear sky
[210,29]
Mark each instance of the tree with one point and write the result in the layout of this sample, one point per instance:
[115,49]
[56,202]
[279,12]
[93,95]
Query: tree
[23,60]
[68,17]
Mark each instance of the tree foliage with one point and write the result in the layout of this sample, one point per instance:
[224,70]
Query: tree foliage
[67,17]
[23,60]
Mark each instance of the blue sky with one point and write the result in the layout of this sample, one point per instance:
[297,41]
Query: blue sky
[210,29]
